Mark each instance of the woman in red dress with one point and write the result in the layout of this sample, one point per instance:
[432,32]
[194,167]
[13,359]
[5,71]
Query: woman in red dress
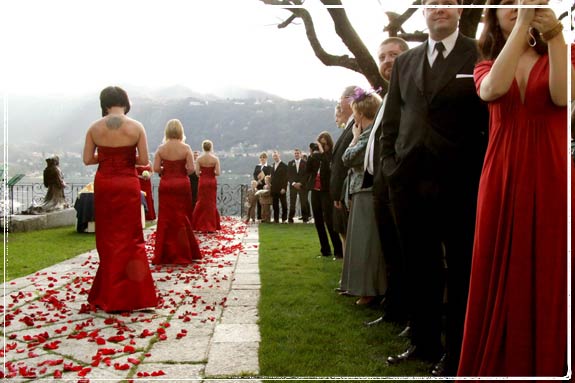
[174,160]
[145,176]
[206,217]
[117,143]
[516,323]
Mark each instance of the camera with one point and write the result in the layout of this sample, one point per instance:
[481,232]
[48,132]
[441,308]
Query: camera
[313,146]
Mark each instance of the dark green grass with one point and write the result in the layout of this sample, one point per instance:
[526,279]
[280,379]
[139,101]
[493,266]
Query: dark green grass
[26,253]
[309,330]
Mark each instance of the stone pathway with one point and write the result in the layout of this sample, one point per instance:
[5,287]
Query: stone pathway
[206,325]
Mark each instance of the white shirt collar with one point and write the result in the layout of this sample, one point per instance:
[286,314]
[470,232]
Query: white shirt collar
[448,42]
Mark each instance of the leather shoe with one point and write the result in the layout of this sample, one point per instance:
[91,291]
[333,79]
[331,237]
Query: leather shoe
[445,367]
[412,353]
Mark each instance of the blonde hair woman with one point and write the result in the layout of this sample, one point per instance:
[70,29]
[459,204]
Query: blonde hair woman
[174,160]
[206,217]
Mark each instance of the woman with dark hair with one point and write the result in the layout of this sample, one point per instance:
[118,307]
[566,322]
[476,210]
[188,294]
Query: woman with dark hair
[516,322]
[318,170]
[117,143]
[206,217]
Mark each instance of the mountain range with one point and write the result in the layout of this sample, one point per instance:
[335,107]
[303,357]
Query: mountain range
[240,122]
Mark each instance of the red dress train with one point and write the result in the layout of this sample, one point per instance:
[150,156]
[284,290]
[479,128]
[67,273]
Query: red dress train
[516,323]
[146,187]
[175,240]
[123,281]
[206,216]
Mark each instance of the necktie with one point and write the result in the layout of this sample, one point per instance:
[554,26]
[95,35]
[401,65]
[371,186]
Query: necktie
[439,59]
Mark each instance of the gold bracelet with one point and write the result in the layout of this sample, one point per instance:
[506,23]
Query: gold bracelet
[546,36]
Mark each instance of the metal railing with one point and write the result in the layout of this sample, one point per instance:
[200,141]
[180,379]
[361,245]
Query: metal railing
[229,197]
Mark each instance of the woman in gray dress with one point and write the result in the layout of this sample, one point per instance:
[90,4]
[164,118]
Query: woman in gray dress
[363,273]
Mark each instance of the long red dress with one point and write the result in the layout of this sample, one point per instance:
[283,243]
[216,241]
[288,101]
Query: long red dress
[123,281]
[175,240]
[516,322]
[206,216]
[146,187]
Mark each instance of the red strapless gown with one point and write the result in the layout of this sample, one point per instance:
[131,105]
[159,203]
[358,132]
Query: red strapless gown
[175,240]
[516,322]
[123,281]
[206,216]
[146,187]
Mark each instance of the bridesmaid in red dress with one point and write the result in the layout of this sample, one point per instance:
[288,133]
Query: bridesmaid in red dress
[516,323]
[117,143]
[174,160]
[206,217]
[145,176]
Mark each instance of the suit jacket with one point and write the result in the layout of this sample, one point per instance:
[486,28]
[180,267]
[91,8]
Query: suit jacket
[267,171]
[279,177]
[353,157]
[297,175]
[449,124]
[338,169]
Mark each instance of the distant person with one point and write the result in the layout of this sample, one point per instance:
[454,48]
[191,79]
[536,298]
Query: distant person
[433,137]
[297,180]
[264,197]
[194,181]
[145,177]
[337,183]
[173,161]
[54,181]
[260,171]
[251,202]
[117,143]
[364,271]
[318,170]
[206,217]
[279,187]
[516,322]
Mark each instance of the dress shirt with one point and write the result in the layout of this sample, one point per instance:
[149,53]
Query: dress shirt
[368,160]
[448,42]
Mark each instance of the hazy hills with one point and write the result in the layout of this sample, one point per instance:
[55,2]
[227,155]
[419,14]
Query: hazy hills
[240,122]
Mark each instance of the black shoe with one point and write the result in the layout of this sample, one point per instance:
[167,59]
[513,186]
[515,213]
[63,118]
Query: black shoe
[412,353]
[406,333]
[290,220]
[445,367]
[374,322]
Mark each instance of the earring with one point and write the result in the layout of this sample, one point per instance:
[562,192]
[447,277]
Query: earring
[531,41]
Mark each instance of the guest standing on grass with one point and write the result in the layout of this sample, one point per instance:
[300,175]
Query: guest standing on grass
[206,217]
[318,169]
[364,272]
[174,160]
[516,322]
[116,143]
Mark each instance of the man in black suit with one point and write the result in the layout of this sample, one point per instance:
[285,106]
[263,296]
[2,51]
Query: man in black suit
[432,146]
[297,179]
[279,187]
[394,304]
[338,169]
[261,170]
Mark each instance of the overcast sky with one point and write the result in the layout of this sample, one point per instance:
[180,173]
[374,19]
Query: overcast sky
[71,46]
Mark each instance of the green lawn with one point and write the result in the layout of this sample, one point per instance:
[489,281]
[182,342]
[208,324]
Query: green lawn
[309,330]
[26,253]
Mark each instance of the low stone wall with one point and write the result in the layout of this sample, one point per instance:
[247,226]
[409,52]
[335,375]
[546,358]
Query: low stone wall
[21,223]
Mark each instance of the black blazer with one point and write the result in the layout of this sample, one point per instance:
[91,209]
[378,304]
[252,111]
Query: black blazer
[279,177]
[267,171]
[320,161]
[450,124]
[338,169]
[297,175]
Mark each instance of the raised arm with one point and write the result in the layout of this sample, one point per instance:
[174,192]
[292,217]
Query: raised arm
[500,78]
[546,22]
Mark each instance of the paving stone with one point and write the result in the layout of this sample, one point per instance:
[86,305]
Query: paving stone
[240,314]
[243,297]
[177,370]
[233,359]
[236,333]
[247,279]
[187,349]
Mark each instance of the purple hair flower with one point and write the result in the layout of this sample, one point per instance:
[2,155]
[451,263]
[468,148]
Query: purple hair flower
[360,94]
